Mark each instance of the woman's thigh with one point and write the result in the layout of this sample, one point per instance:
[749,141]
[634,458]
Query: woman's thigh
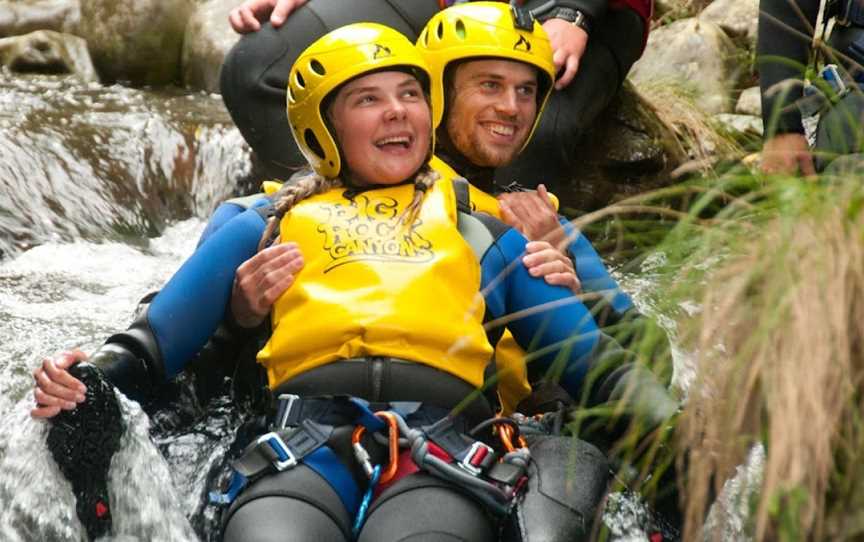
[422,508]
[293,505]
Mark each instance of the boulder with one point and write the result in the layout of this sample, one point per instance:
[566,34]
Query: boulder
[17,18]
[627,151]
[749,102]
[744,125]
[695,54]
[136,41]
[208,39]
[738,18]
[49,52]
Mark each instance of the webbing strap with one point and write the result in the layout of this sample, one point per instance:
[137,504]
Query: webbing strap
[327,464]
[475,233]
[282,449]
[463,194]
[331,410]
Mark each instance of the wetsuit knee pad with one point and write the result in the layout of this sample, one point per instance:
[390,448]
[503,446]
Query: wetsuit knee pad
[255,72]
[293,505]
[568,479]
[421,508]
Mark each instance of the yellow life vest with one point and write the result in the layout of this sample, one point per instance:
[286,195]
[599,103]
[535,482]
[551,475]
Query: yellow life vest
[375,286]
[512,375]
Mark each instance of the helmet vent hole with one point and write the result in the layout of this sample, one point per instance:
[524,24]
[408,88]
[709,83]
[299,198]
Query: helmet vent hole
[299,78]
[460,29]
[424,37]
[290,94]
[317,67]
[312,143]
[439,30]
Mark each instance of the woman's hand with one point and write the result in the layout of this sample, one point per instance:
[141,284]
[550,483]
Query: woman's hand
[568,43]
[56,389]
[543,260]
[533,215]
[248,16]
[260,281]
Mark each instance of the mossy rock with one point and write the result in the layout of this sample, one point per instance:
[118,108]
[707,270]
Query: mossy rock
[136,41]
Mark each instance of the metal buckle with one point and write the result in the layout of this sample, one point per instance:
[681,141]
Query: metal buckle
[476,448]
[284,457]
[286,402]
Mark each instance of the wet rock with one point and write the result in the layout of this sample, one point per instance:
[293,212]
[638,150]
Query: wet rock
[629,150]
[696,55]
[738,18]
[748,125]
[85,161]
[136,41]
[209,37]
[750,102]
[17,18]
[48,52]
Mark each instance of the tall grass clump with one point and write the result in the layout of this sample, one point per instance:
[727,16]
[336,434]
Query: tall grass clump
[776,269]
[764,280]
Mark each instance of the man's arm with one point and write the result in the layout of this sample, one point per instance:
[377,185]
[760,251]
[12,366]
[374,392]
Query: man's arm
[783,48]
[547,321]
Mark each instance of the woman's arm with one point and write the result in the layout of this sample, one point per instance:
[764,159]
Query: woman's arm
[171,330]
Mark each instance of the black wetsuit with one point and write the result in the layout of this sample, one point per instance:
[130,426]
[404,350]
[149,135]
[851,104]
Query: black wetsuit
[255,71]
[786,31]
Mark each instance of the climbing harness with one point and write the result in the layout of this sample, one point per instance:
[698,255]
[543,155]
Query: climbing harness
[303,427]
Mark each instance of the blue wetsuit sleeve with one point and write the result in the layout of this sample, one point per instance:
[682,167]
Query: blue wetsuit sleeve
[225,212]
[189,308]
[592,273]
[551,324]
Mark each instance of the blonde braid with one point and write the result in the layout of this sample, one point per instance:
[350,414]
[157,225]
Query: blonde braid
[424,180]
[290,195]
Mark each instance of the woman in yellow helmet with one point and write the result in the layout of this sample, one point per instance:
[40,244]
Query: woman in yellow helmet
[399,290]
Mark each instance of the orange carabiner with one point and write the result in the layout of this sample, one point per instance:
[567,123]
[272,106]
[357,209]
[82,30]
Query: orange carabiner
[393,437]
[393,442]
[505,433]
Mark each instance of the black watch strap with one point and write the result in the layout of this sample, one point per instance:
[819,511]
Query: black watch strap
[572,16]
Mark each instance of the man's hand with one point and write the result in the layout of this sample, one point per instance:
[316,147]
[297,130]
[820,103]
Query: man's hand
[56,389]
[248,16]
[260,281]
[542,260]
[568,43]
[786,154]
[533,215]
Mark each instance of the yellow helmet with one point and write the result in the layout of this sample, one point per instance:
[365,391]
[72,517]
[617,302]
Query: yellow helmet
[483,29]
[332,60]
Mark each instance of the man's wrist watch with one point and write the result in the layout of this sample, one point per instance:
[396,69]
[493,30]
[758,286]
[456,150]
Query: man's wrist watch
[574,17]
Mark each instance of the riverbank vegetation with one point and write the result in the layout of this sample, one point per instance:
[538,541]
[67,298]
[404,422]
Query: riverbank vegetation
[764,280]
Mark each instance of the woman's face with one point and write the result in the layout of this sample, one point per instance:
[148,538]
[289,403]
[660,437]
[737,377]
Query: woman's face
[383,126]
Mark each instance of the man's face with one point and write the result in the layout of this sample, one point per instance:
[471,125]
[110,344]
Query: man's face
[491,109]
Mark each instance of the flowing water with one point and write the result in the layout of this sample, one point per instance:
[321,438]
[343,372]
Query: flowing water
[104,192]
